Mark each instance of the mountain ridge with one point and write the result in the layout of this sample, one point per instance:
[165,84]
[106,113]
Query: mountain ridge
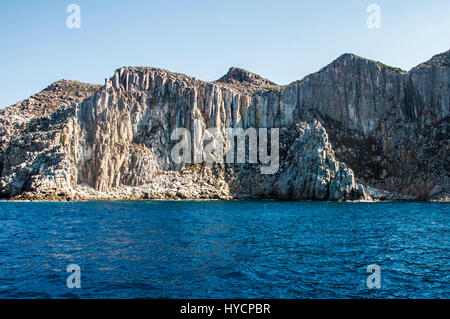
[380,127]
[445,54]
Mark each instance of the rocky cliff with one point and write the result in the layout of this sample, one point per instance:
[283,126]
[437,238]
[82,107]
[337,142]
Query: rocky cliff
[357,129]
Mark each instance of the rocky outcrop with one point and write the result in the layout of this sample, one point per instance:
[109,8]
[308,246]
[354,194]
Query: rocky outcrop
[355,122]
[33,157]
[308,170]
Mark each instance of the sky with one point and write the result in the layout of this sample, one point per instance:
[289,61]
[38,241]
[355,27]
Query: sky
[281,40]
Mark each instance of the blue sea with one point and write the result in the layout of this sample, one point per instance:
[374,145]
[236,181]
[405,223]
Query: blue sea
[217,249]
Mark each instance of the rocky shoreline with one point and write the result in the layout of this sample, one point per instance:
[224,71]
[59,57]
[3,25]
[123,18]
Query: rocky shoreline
[355,130]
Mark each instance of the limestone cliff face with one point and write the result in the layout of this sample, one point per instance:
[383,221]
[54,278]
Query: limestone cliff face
[355,121]
[125,131]
[390,126]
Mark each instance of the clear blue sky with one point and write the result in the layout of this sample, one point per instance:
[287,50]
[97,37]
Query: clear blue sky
[280,40]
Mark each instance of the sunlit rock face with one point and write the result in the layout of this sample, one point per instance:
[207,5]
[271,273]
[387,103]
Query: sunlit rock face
[390,126]
[354,122]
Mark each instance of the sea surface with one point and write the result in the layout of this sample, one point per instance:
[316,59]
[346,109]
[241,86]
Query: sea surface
[216,249]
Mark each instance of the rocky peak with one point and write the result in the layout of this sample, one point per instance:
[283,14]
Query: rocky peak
[241,78]
[348,65]
[71,86]
[241,75]
[350,58]
[59,94]
[346,59]
[441,60]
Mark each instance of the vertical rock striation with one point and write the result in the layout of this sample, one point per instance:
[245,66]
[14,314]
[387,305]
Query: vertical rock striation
[389,126]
